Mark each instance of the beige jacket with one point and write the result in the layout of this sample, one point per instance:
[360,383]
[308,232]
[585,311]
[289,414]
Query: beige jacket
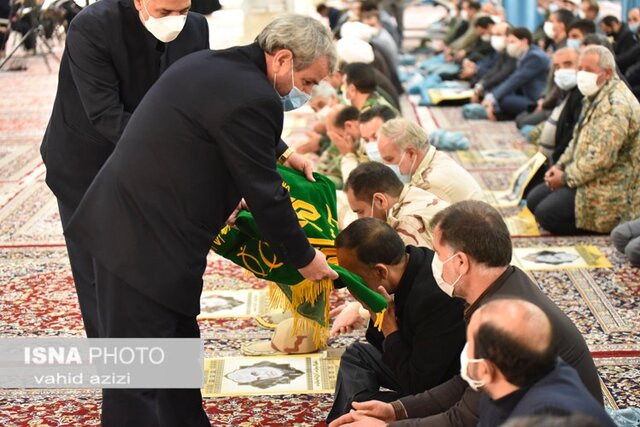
[441,175]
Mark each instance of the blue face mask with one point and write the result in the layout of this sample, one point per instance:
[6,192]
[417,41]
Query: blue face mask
[634,27]
[294,99]
[574,43]
[404,178]
[372,151]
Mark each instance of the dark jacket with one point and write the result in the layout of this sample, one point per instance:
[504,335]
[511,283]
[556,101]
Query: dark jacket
[479,50]
[624,40]
[503,67]
[529,77]
[567,122]
[110,61]
[204,136]
[425,351]
[455,404]
[560,392]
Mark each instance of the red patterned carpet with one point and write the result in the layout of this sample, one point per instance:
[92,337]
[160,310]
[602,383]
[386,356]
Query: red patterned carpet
[37,295]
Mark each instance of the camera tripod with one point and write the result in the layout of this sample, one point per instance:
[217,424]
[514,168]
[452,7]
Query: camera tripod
[37,30]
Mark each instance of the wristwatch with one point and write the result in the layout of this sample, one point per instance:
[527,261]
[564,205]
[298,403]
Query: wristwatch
[285,155]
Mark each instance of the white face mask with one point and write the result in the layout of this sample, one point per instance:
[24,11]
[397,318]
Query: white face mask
[464,369]
[322,114]
[165,29]
[514,50]
[436,269]
[498,43]
[566,79]
[464,15]
[587,83]
[548,29]
[486,38]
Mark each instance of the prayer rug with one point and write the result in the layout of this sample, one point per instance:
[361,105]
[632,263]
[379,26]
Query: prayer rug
[290,374]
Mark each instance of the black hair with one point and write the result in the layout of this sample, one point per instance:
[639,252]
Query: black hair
[472,4]
[565,16]
[385,112]
[369,6]
[362,76]
[373,240]
[346,114]
[484,22]
[521,33]
[477,229]
[373,177]
[609,20]
[585,26]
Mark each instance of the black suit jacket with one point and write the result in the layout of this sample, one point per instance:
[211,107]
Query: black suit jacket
[624,40]
[567,121]
[109,63]
[204,136]
[425,351]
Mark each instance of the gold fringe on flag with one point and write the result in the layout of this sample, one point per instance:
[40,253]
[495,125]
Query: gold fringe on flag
[305,291]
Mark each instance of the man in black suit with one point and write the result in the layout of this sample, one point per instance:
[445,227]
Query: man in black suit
[423,330]
[206,135]
[115,51]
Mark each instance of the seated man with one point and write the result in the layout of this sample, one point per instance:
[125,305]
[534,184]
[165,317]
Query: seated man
[593,185]
[343,129]
[557,28]
[493,69]
[626,239]
[422,331]
[373,190]
[510,357]
[323,98]
[481,47]
[371,120]
[623,38]
[578,30]
[361,86]
[404,145]
[522,88]
[472,262]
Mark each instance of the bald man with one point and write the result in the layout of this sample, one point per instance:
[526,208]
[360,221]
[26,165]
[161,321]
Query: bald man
[510,356]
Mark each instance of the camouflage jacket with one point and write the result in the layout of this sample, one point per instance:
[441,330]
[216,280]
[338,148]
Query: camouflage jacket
[411,214]
[602,160]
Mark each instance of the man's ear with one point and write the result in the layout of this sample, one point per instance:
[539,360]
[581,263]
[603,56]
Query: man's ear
[381,271]
[464,261]
[283,58]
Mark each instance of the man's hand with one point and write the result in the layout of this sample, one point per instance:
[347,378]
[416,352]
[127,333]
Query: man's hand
[348,318]
[553,177]
[345,144]
[389,323]
[318,269]
[300,163]
[539,105]
[234,215]
[370,413]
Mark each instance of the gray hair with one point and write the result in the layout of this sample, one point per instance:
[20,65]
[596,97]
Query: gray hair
[323,90]
[562,50]
[606,61]
[304,36]
[404,133]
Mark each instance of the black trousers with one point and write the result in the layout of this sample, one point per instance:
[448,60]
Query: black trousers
[554,210]
[83,277]
[360,376]
[126,313]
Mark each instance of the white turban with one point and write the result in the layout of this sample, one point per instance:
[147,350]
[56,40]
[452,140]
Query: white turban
[351,49]
[358,30]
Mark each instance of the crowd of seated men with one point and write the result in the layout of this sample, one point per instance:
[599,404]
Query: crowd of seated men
[415,227]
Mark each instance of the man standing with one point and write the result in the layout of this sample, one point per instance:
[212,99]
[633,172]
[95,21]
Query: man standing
[205,136]
[115,51]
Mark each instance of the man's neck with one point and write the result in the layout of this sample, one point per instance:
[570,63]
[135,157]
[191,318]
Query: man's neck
[359,100]
[398,271]
[482,280]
